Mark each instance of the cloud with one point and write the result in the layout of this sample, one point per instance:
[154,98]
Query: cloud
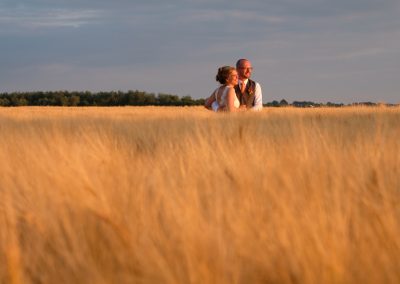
[365,52]
[232,15]
[25,18]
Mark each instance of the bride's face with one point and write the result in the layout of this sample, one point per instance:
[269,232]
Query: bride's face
[233,78]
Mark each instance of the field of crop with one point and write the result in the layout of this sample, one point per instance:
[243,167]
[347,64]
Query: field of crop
[184,195]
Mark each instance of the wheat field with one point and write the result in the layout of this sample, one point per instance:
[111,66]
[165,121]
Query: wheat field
[184,195]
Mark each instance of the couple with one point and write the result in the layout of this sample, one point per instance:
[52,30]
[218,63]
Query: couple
[237,92]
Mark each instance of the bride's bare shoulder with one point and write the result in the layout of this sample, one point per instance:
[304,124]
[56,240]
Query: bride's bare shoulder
[230,89]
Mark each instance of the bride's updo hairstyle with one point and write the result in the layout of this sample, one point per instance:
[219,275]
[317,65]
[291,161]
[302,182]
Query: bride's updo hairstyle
[223,74]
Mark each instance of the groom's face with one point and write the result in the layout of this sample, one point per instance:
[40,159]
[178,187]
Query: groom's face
[245,69]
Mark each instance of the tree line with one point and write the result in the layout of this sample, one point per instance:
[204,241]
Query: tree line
[112,98]
[129,98]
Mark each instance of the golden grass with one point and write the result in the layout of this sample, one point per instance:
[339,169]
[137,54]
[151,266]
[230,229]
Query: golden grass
[183,195]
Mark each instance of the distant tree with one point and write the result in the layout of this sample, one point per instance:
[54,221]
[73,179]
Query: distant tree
[305,104]
[136,98]
[150,99]
[368,104]
[4,101]
[187,101]
[74,100]
[283,103]
[330,104]
[19,100]
[114,98]
[168,100]
[60,98]
[275,103]
[86,99]
[102,99]
[200,102]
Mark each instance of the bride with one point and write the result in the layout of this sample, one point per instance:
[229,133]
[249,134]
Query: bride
[224,97]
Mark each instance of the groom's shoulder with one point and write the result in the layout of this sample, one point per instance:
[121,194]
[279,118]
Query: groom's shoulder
[252,82]
[255,83]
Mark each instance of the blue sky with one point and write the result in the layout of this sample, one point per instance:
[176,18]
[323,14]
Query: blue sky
[318,50]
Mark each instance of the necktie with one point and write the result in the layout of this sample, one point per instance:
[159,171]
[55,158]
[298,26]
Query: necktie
[243,87]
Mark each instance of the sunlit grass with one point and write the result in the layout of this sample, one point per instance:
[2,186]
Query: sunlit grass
[184,195]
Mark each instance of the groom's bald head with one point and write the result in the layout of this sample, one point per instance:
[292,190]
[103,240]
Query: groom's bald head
[240,62]
[244,68]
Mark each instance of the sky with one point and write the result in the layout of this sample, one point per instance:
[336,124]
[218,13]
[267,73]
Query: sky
[305,50]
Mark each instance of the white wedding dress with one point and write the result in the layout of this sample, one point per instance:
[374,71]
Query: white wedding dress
[222,101]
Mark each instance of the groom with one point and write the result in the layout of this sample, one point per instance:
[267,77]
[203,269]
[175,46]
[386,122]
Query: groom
[247,91]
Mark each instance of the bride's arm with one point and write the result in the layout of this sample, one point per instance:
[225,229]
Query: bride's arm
[209,101]
[231,100]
